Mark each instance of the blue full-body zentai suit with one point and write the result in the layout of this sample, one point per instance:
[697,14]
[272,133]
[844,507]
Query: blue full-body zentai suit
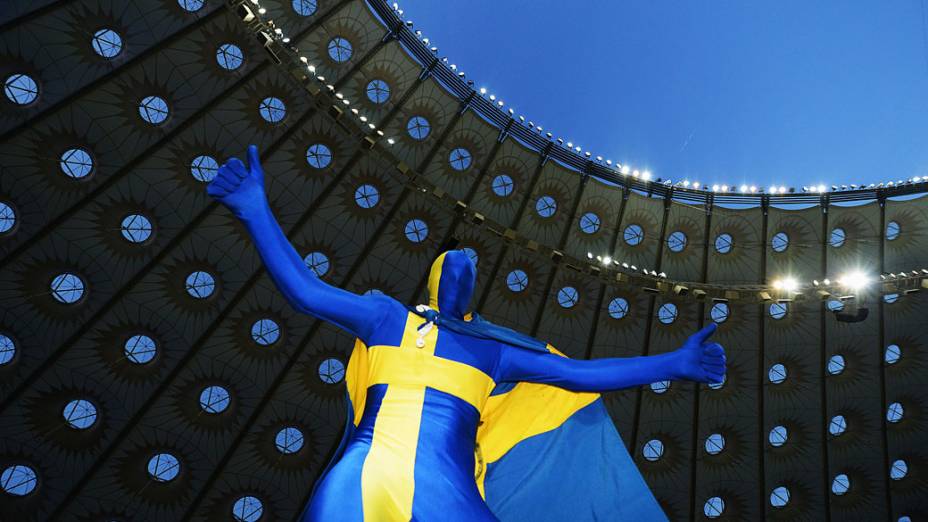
[454,418]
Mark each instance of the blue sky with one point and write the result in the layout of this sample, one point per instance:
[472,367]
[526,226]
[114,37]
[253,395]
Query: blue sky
[789,92]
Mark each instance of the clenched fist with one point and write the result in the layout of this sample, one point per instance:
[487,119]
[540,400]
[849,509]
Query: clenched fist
[239,188]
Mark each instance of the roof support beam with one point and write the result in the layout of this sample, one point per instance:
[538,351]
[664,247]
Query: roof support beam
[700,320]
[536,324]
[613,241]
[884,437]
[823,327]
[761,365]
[652,301]
[530,190]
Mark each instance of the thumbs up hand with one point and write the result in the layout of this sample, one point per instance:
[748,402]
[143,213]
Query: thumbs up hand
[239,188]
[699,359]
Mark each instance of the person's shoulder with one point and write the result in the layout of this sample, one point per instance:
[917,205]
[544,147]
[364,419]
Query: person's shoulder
[386,303]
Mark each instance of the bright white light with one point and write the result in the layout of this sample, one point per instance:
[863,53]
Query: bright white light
[820,188]
[744,188]
[753,189]
[696,185]
[646,175]
[624,169]
[787,284]
[855,280]
[724,188]
[607,260]
[483,90]
[589,255]
[715,188]
[782,190]
[686,183]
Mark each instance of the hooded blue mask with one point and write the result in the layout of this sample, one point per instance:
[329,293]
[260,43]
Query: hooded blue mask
[451,286]
[451,283]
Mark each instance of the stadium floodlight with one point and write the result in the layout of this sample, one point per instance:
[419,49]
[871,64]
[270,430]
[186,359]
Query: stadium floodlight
[607,260]
[854,280]
[646,175]
[786,284]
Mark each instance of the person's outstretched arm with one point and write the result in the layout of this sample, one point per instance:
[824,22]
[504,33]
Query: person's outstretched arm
[697,360]
[241,189]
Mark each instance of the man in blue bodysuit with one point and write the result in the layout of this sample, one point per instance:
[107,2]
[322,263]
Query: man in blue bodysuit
[452,417]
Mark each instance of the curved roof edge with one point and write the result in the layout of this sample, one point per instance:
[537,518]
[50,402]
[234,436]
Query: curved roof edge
[585,165]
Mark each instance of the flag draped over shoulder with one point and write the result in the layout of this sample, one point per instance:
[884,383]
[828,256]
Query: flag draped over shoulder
[545,453]
[542,453]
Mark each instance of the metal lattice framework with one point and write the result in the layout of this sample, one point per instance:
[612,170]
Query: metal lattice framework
[149,370]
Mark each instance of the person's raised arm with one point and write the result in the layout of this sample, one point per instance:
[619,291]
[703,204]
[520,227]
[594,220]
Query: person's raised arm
[241,189]
[697,360]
